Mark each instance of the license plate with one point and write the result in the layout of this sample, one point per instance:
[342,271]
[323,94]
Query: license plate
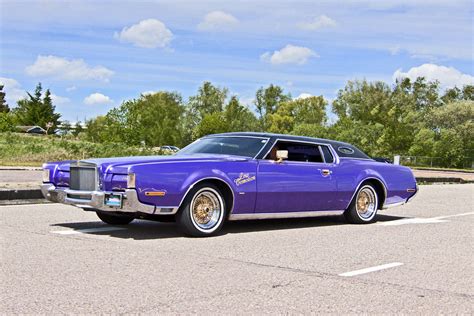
[113,200]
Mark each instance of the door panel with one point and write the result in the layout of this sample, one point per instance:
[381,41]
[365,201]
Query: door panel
[295,186]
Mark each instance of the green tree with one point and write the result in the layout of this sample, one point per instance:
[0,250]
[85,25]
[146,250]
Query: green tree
[209,99]
[456,94]
[3,104]
[153,119]
[238,117]
[38,109]
[267,101]
[212,123]
[234,118]
[453,122]
[423,143]
[468,92]
[65,127]
[383,120]
[310,112]
[97,129]
[7,122]
[78,129]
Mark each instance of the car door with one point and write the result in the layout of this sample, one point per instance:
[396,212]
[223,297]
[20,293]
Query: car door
[303,182]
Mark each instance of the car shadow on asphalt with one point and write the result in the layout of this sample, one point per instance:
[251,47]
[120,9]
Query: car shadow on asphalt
[143,230]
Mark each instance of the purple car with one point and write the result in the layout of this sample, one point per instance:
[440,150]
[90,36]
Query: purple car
[233,176]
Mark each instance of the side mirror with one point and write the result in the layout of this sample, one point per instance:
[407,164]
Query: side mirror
[281,155]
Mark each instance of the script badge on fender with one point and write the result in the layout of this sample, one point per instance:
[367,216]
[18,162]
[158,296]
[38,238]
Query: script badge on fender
[244,178]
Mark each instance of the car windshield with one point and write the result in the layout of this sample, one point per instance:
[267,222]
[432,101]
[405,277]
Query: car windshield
[228,145]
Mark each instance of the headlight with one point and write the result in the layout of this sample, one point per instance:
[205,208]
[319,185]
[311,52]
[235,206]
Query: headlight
[131,181]
[46,173]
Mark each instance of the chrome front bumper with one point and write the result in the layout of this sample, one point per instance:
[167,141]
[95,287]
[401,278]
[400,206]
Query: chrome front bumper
[94,200]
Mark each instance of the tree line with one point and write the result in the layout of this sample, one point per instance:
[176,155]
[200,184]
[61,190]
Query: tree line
[409,117]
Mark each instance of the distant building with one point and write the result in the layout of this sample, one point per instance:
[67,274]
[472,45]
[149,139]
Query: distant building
[31,130]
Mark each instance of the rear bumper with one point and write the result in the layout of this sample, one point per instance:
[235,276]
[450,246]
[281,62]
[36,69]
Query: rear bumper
[95,200]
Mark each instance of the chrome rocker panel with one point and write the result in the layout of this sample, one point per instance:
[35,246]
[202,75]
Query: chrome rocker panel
[238,217]
[94,200]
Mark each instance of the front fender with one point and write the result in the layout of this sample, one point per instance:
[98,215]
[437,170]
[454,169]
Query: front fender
[175,180]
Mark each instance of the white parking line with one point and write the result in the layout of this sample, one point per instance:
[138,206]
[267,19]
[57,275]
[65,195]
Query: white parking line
[372,269]
[422,220]
[87,230]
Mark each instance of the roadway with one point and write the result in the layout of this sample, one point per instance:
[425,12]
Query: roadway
[417,258]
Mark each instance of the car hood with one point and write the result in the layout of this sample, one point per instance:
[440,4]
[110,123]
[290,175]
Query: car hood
[120,165]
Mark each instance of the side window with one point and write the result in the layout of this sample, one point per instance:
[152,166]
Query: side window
[328,157]
[297,152]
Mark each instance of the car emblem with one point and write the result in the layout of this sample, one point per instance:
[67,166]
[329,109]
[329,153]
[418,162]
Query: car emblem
[244,178]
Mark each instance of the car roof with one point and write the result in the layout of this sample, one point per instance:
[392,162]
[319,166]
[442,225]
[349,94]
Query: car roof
[335,144]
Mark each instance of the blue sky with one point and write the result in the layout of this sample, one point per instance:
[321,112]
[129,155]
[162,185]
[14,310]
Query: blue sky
[95,54]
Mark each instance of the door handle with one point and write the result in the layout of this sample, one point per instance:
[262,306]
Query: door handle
[326,172]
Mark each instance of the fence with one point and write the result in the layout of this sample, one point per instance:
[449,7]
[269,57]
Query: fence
[420,161]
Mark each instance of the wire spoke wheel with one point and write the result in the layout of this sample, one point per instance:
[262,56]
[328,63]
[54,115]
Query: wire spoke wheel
[206,209]
[366,203]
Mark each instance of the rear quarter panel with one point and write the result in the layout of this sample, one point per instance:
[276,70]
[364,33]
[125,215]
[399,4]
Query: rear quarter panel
[352,172]
[176,178]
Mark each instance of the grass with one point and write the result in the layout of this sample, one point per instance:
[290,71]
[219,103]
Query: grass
[28,150]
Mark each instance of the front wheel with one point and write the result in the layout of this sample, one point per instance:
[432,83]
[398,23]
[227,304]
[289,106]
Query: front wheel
[363,207]
[203,211]
[115,219]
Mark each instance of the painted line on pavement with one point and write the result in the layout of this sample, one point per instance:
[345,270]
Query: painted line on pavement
[422,220]
[86,230]
[455,215]
[372,269]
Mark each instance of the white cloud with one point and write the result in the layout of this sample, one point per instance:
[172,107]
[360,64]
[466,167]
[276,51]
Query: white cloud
[289,54]
[62,68]
[97,98]
[150,33]
[13,90]
[72,88]
[149,92]
[317,23]
[447,76]
[58,100]
[304,96]
[218,21]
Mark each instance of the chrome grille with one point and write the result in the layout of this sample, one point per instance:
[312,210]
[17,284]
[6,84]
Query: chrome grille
[83,178]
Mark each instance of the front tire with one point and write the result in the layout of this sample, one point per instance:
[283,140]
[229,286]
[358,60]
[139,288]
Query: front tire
[203,211]
[364,206]
[115,219]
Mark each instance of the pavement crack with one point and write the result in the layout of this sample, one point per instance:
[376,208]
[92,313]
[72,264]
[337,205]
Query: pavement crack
[312,273]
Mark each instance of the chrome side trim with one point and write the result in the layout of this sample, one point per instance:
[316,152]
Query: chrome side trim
[360,183]
[356,158]
[209,178]
[238,217]
[386,206]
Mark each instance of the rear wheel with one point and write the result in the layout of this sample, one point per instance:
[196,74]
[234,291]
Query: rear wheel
[115,219]
[363,207]
[203,211]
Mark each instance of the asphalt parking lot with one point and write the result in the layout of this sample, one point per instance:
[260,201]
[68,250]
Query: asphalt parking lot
[417,258]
